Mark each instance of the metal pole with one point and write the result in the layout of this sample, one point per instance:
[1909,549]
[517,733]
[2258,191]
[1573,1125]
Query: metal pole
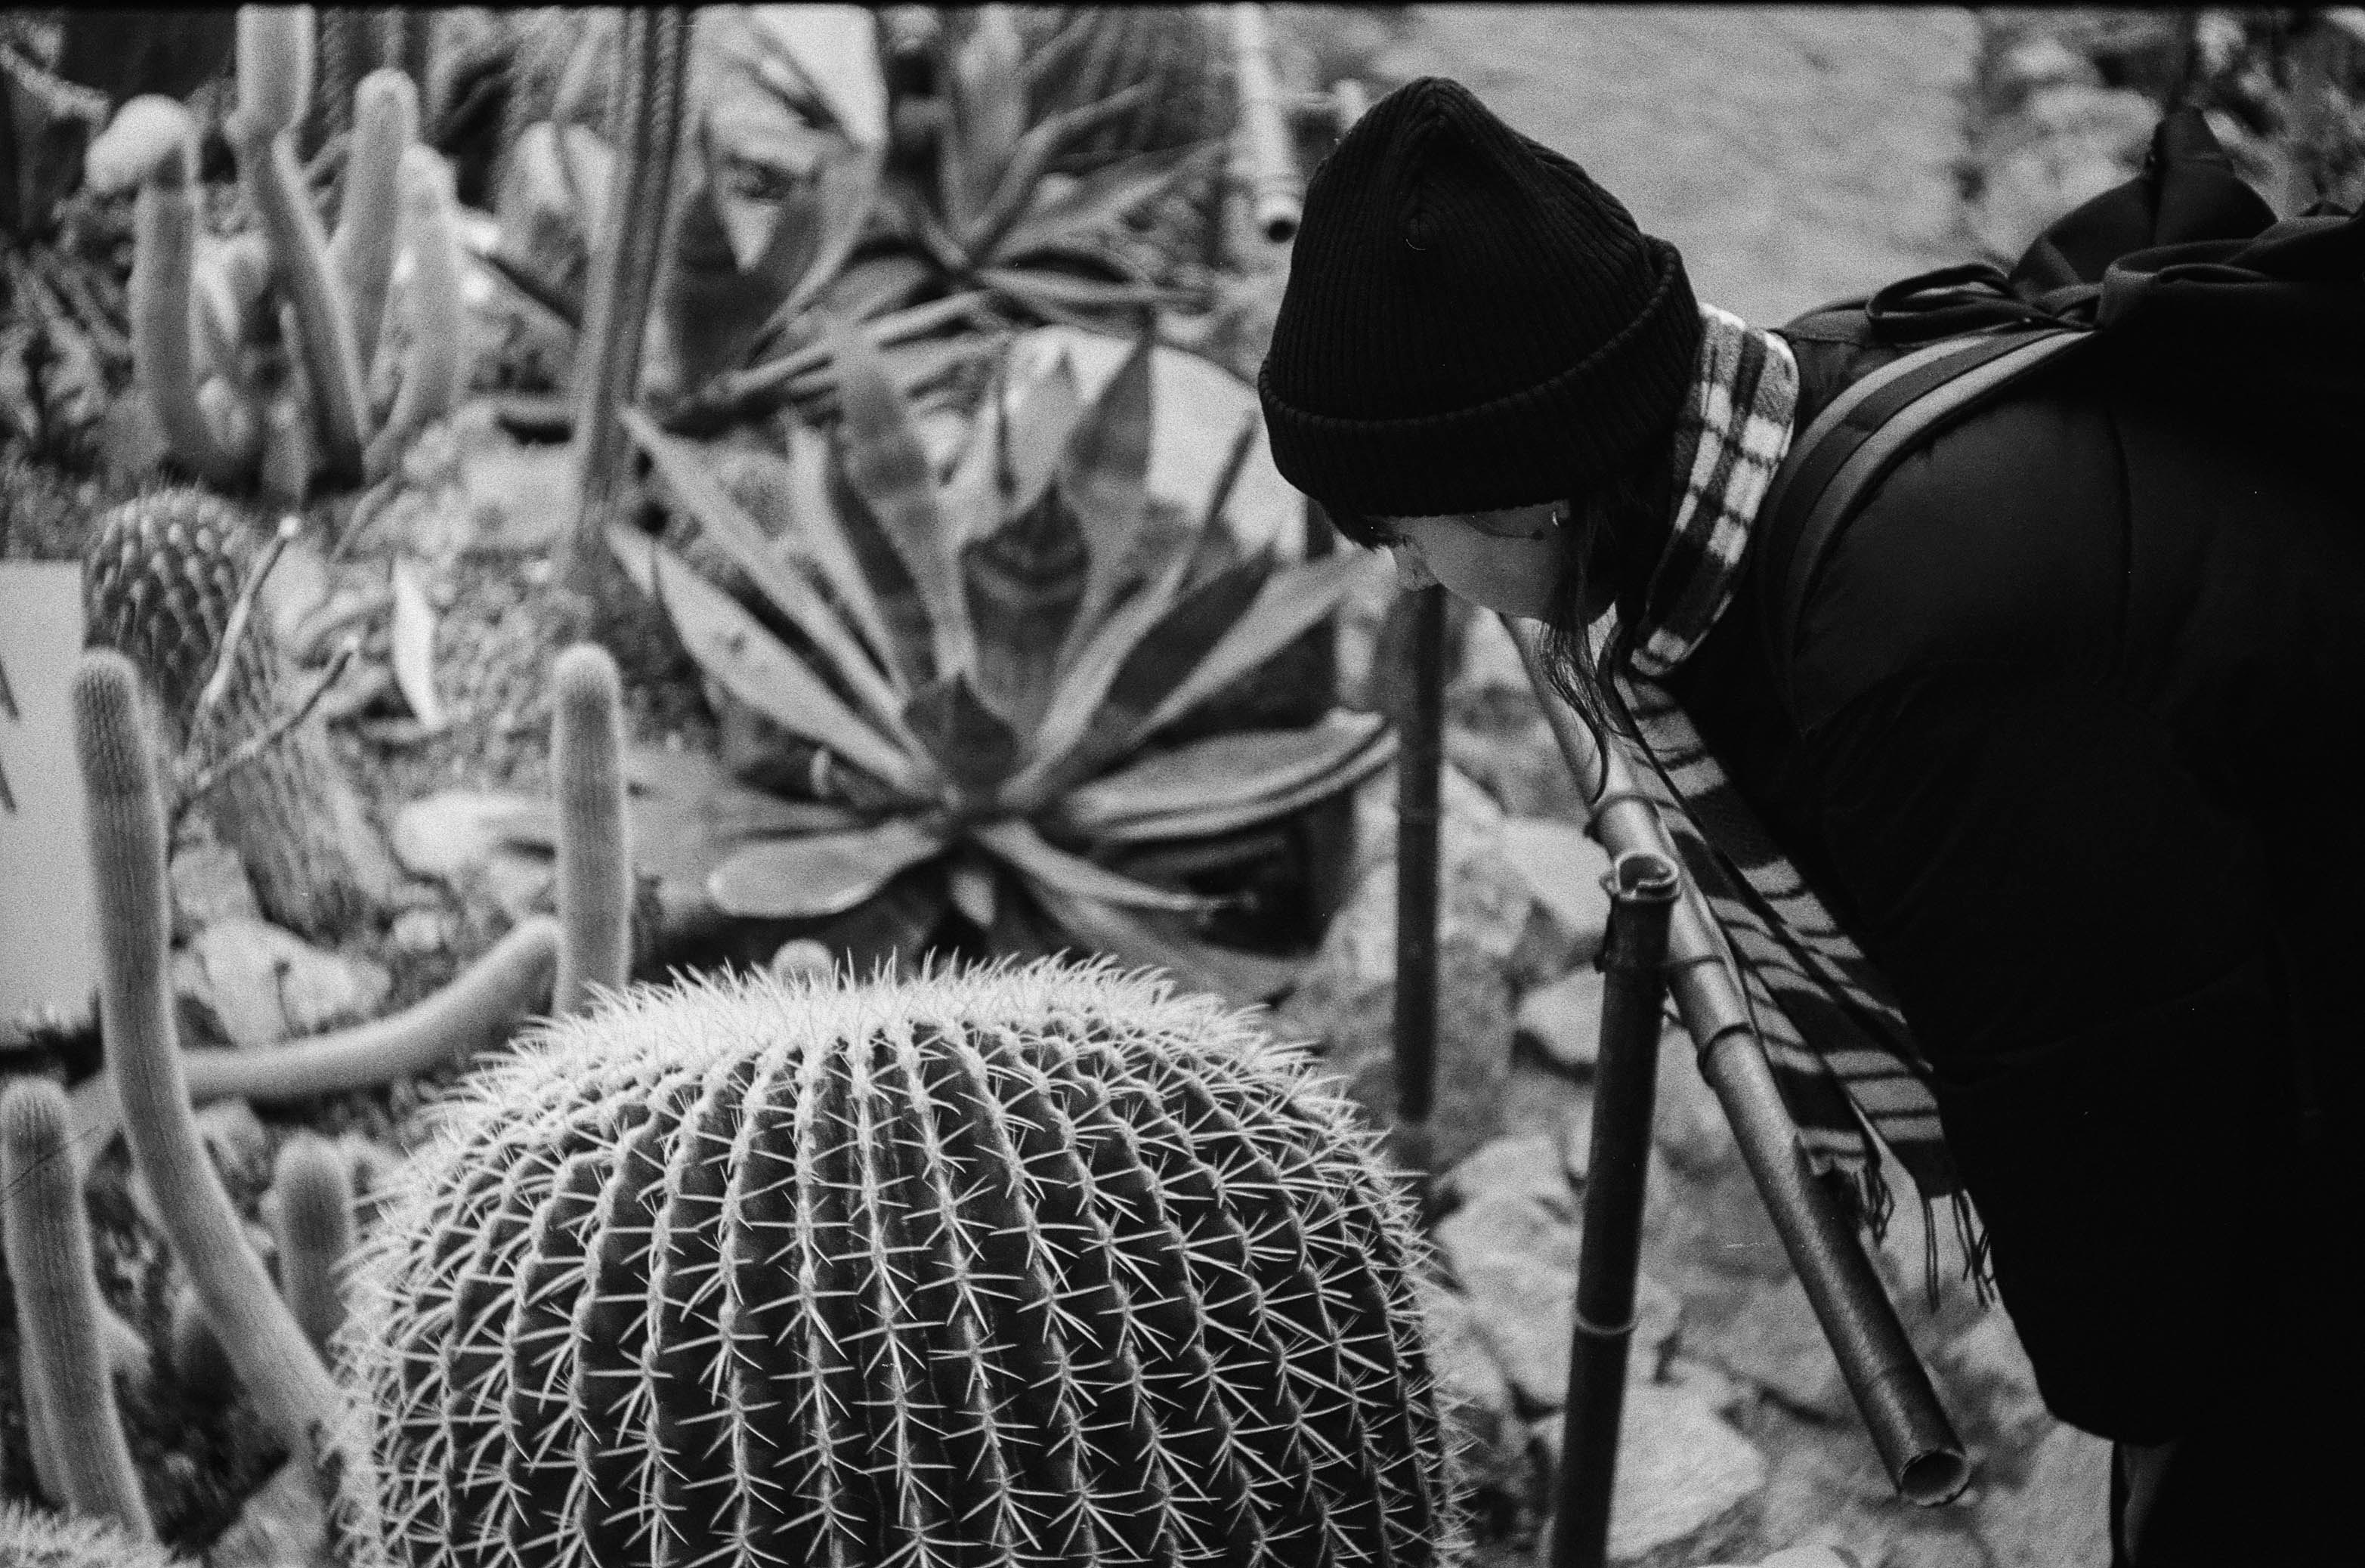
[1276,192]
[1892,1389]
[1642,887]
[1420,761]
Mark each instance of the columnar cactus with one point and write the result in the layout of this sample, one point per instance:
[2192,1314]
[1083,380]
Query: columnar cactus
[595,861]
[312,1219]
[1027,1266]
[125,827]
[70,1393]
[30,1538]
[159,577]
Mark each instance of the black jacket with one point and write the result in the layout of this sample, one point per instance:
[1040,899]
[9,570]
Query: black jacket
[2076,691]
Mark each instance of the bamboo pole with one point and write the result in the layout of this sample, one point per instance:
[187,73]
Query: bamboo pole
[1419,764]
[1892,1390]
[1642,888]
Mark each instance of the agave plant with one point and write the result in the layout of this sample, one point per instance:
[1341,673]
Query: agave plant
[986,670]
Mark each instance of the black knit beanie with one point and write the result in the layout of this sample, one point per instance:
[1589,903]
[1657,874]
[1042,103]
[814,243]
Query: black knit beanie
[1470,322]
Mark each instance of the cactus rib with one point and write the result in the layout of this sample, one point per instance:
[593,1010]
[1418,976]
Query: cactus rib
[71,1392]
[1029,1266]
[595,863]
[125,836]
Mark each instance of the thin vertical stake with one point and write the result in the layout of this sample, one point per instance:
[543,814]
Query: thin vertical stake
[1419,762]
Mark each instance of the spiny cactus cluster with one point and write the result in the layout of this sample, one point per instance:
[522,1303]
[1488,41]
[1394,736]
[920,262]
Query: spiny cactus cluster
[32,1540]
[1022,1266]
[160,577]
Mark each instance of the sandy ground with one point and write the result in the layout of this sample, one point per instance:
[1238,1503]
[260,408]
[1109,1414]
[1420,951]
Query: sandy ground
[1795,155]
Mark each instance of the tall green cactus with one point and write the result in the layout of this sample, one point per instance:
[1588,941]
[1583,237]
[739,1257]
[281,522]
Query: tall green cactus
[70,1393]
[1021,1266]
[386,124]
[30,1538]
[595,859]
[125,825]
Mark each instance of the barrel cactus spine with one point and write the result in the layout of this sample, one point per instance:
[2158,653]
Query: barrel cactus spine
[70,1393]
[1044,1264]
[595,863]
[31,1538]
[125,828]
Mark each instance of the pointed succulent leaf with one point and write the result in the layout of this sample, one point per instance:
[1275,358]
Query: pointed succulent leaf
[1143,938]
[1035,858]
[748,662]
[1022,179]
[845,193]
[988,107]
[1104,197]
[589,164]
[1084,684]
[888,469]
[1025,582]
[1290,603]
[1036,434]
[818,874]
[1175,640]
[813,526]
[1227,477]
[1104,475]
[1227,782]
[974,745]
[691,477]
[1069,300]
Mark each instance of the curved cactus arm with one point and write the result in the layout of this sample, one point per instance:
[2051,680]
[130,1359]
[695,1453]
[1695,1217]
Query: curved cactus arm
[386,124]
[476,1012]
[435,369]
[274,74]
[313,1222]
[126,834]
[163,321]
[595,857]
[646,132]
[59,1312]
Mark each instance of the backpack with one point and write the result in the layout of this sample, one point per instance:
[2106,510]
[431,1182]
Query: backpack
[2181,277]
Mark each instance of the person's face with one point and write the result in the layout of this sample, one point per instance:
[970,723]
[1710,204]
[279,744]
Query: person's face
[1508,561]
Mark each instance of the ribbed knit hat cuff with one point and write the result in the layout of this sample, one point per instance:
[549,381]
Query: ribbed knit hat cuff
[1545,442]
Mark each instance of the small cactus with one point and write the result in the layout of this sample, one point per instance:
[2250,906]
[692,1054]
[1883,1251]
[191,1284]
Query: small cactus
[125,826]
[312,1219]
[595,861]
[70,1392]
[386,124]
[1027,1266]
[32,1539]
[161,574]
[195,1350]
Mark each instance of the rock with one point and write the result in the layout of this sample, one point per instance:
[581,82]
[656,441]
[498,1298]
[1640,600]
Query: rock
[1562,1021]
[1801,1557]
[1482,897]
[2058,1512]
[1537,1100]
[259,985]
[1688,1120]
[209,883]
[1523,1166]
[1986,1376]
[1564,869]
[804,956]
[1775,1343]
[1353,1018]
[1724,1396]
[462,839]
[421,931]
[2043,60]
[1477,1398]
[1683,1473]
[1515,1227]
[283,1525]
[1577,1148]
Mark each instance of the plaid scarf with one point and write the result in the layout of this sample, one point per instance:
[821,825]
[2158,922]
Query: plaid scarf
[1841,1052]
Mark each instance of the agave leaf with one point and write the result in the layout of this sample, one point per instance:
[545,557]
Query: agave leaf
[1022,178]
[1105,196]
[588,165]
[1227,782]
[1175,639]
[845,193]
[988,109]
[974,745]
[1104,477]
[1292,603]
[1061,298]
[816,531]
[689,475]
[1033,857]
[1085,684]
[1025,582]
[820,873]
[732,646]
[888,469]
[1242,979]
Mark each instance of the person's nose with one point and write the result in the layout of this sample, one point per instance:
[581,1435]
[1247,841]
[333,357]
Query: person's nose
[1412,572]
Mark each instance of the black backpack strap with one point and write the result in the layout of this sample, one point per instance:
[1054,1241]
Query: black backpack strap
[1855,443]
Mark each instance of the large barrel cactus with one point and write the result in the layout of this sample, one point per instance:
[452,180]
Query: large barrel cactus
[1012,1266]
